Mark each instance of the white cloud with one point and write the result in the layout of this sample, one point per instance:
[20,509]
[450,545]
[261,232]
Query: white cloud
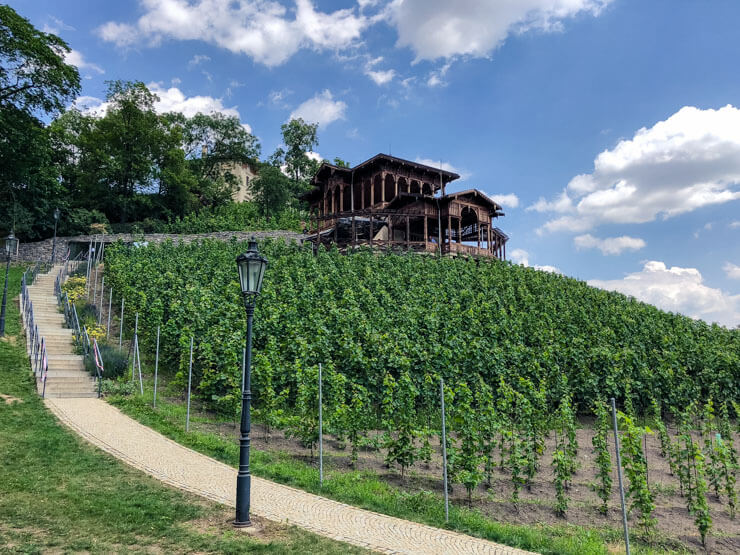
[75,58]
[277,98]
[442,29]
[609,245]
[732,270]
[381,77]
[520,256]
[171,99]
[197,60]
[443,166]
[437,77]
[688,161]
[55,25]
[321,109]
[735,225]
[677,290]
[509,201]
[265,30]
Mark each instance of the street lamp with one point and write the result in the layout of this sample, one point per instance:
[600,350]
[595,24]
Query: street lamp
[11,243]
[54,244]
[251,271]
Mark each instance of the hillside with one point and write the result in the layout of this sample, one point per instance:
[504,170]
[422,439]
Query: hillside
[368,315]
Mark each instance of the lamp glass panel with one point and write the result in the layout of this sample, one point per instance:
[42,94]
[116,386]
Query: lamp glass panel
[255,265]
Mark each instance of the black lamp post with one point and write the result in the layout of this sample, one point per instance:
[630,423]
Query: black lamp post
[54,244]
[251,271]
[10,245]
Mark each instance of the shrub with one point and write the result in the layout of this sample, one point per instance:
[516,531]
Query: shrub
[75,288]
[118,387]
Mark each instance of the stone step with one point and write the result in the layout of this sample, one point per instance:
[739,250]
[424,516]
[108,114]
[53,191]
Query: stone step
[68,374]
[63,395]
[68,383]
[67,366]
[48,318]
[55,333]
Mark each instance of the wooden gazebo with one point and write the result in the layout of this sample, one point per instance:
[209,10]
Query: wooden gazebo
[391,202]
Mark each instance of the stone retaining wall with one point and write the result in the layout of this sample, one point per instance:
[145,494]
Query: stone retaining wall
[41,250]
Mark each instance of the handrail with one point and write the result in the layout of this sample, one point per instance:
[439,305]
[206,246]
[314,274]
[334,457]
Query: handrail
[38,354]
[99,366]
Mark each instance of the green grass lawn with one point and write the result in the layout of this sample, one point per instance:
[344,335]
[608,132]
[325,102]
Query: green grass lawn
[59,494]
[367,490]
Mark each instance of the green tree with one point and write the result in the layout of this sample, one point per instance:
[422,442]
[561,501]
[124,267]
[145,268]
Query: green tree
[119,152]
[33,74]
[272,190]
[34,80]
[299,138]
[214,145]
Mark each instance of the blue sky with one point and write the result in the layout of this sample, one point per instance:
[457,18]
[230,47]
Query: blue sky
[609,129]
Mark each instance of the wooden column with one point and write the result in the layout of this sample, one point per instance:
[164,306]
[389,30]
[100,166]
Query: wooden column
[459,229]
[382,187]
[426,233]
[372,191]
[488,238]
[362,193]
[341,198]
[449,229]
[479,236]
[395,181]
[408,231]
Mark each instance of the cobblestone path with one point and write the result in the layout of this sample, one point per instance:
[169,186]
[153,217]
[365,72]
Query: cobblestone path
[107,428]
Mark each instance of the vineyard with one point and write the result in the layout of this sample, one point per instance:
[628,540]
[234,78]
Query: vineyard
[524,353]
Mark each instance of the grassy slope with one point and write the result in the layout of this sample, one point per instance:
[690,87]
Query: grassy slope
[58,493]
[365,489]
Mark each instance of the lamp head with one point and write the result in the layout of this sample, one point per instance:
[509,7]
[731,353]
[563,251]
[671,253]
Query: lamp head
[11,243]
[251,266]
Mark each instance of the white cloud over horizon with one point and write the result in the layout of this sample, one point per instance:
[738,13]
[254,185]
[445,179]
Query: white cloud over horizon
[508,201]
[321,109]
[520,256]
[446,166]
[264,30]
[75,58]
[679,290]
[609,245]
[732,270]
[690,160]
[436,29]
[171,99]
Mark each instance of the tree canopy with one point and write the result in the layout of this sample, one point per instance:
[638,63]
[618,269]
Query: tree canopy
[33,74]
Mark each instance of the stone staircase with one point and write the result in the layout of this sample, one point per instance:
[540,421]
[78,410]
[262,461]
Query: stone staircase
[66,376]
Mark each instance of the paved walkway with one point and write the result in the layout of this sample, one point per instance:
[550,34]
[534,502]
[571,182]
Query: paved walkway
[107,428]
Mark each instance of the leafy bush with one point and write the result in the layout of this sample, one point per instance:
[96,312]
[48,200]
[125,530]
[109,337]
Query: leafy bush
[115,362]
[75,288]
[118,387]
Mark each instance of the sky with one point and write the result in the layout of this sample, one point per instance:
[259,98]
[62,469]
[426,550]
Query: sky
[608,129]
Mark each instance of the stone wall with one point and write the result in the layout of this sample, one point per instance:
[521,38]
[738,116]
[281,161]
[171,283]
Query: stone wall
[41,250]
